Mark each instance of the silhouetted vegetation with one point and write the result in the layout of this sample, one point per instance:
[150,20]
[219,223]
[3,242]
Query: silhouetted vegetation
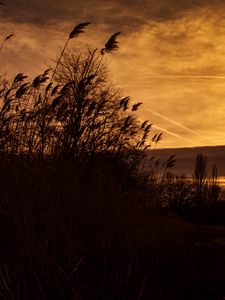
[87,210]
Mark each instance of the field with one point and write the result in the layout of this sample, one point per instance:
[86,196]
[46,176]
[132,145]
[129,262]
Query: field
[72,231]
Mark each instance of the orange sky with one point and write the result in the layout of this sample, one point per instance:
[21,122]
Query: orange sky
[171,56]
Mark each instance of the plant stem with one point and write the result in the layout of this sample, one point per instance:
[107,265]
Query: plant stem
[61,55]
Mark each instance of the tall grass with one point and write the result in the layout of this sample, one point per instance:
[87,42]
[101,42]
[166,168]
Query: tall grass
[80,229]
[80,112]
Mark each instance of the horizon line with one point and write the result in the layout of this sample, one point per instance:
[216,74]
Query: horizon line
[188,147]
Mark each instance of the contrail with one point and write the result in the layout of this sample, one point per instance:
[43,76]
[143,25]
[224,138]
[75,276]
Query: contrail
[175,135]
[181,126]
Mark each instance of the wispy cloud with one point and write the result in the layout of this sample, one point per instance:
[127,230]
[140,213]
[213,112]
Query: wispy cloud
[178,136]
[192,132]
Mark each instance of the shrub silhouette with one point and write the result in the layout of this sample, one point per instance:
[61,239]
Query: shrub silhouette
[200,177]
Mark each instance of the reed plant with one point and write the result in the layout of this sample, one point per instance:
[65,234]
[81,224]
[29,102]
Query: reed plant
[70,111]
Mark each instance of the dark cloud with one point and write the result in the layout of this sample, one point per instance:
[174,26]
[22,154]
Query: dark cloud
[126,13]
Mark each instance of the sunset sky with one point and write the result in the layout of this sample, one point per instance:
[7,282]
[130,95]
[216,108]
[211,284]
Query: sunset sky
[171,56]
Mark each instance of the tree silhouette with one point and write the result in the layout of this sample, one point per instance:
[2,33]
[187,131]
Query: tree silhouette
[93,115]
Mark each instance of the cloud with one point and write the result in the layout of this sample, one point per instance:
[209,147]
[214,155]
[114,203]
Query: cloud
[171,54]
[126,13]
[177,69]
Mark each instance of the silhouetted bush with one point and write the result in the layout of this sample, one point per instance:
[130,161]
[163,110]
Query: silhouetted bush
[77,112]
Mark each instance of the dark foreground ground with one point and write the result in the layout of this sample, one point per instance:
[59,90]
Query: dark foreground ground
[65,238]
[139,257]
